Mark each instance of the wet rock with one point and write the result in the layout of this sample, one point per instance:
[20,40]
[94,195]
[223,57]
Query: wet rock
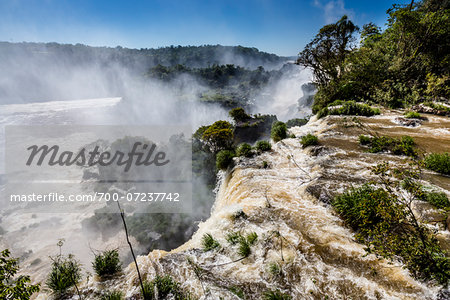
[321,194]
[408,122]
[429,110]
[317,150]
[428,213]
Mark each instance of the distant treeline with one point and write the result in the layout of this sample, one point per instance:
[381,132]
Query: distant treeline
[52,71]
[144,58]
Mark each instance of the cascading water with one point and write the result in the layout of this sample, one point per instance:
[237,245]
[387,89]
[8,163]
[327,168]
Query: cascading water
[286,205]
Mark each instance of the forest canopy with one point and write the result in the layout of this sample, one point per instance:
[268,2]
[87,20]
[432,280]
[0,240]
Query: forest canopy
[405,64]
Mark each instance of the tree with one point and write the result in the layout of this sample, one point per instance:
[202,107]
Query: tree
[326,53]
[10,287]
[218,136]
[238,114]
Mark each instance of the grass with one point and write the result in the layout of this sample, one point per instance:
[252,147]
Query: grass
[166,287]
[309,140]
[112,295]
[403,146]
[348,108]
[65,273]
[263,146]
[274,269]
[209,243]
[412,115]
[107,263]
[438,162]
[234,237]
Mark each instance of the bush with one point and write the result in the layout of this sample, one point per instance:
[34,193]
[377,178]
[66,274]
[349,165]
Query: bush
[438,162]
[351,108]
[279,131]
[218,136]
[224,159]
[412,115]
[10,287]
[388,227]
[238,114]
[107,263]
[309,140]
[65,273]
[263,146]
[112,295]
[166,287]
[439,200]
[244,149]
[403,146]
[296,122]
[209,243]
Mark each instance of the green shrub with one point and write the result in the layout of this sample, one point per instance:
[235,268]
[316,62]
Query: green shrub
[279,131]
[65,273]
[244,149]
[218,136]
[244,249]
[112,295]
[309,140]
[439,200]
[438,162]
[209,243]
[166,288]
[224,159]
[365,140]
[389,229]
[10,287]
[296,122]
[265,164]
[234,237]
[263,146]
[403,146]
[276,295]
[349,108]
[149,290]
[252,237]
[412,115]
[274,269]
[238,114]
[107,263]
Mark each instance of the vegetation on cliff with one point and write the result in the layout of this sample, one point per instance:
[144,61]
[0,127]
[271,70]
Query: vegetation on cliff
[405,64]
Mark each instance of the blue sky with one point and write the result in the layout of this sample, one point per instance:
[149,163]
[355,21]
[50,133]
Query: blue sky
[282,27]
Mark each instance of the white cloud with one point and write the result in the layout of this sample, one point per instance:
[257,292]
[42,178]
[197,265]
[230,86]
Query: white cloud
[333,10]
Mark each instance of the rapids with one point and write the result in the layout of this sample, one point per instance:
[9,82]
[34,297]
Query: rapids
[286,205]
